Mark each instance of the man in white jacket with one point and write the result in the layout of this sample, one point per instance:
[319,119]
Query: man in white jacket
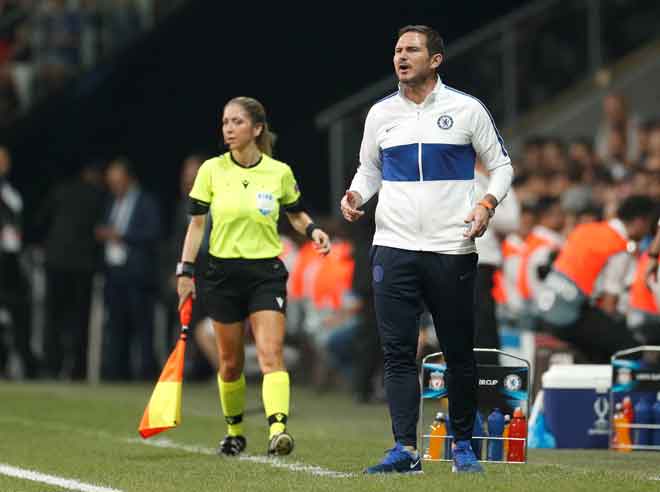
[418,152]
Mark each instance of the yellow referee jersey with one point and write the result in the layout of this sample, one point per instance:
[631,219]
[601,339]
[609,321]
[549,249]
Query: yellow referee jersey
[245,205]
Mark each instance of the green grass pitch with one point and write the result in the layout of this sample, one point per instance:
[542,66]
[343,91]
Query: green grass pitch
[88,433]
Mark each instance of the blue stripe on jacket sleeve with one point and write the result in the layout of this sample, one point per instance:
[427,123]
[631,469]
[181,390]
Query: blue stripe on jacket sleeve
[448,162]
[400,163]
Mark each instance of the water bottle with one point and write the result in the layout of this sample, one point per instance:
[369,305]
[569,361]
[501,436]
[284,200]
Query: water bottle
[628,411]
[437,439]
[505,435]
[495,429]
[477,431]
[448,442]
[621,435]
[643,416]
[518,429]
[656,421]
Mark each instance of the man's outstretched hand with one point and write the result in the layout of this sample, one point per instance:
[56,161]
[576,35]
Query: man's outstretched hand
[349,206]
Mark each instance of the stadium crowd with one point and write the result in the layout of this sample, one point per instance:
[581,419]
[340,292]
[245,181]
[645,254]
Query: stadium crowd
[44,44]
[581,215]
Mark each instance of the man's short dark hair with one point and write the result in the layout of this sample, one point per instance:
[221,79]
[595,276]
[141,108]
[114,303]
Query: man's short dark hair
[434,42]
[636,206]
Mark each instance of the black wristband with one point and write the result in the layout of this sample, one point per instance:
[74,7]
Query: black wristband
[653,255]
[197,207]
[309,230]
[185,269]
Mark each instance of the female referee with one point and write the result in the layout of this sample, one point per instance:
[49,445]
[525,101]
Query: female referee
[244,189]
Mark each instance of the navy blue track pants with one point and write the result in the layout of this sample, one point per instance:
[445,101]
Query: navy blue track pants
[402,279]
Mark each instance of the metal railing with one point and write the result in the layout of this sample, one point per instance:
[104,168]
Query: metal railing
[514,64]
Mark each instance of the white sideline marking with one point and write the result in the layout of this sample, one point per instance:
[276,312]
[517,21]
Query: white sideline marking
[66,483]
[263,460]
[167,443]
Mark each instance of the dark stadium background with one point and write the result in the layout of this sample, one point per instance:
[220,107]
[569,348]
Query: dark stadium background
[160,100]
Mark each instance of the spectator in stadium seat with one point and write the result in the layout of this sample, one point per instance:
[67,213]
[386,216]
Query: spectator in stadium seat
[653,149]
[639,181]
[643,316]
[532,156]
[538,252]
[579,299]
[319,284]
[130,237]
[643,133]
[583,159]
[535,184]
[615,160]
[652,163]
[616,116]
[653,184]
[69,215]
[559,183]
[57,34]
[337,307]
[581,150]
[505,290]
[653,252]
[554,155]
[300,287]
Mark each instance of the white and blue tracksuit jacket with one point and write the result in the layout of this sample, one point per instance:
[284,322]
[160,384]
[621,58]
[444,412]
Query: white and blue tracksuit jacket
[420,158]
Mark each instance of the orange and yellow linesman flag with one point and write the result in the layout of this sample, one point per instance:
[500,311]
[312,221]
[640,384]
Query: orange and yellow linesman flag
[164,408]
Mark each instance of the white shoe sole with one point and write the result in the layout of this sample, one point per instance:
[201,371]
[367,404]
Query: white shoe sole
[283,445]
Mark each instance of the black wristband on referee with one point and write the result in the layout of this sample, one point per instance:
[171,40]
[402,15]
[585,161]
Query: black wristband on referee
[185,269]
[309,230]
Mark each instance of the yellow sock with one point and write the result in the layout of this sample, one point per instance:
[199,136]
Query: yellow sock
[275,393]
[232,400]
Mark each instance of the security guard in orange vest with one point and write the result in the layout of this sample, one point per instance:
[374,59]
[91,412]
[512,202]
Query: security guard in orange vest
[578,302]
[643,315]
[538,251]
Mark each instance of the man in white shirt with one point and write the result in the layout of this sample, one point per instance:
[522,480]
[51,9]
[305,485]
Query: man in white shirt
[540,248]
[418,152]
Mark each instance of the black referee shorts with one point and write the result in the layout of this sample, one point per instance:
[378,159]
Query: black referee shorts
[234,288]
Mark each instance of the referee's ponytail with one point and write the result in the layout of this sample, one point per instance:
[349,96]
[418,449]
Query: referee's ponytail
[257,114]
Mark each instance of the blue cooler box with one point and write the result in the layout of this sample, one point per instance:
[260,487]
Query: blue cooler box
[576,404]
